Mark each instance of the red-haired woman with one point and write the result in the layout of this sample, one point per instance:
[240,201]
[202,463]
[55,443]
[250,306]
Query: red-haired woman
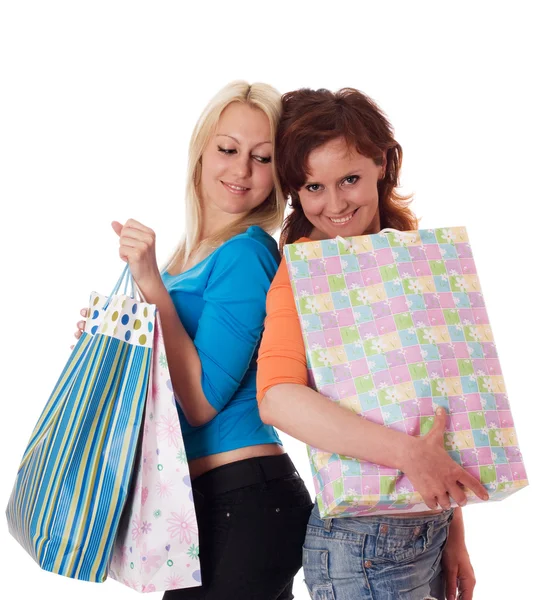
[338,161]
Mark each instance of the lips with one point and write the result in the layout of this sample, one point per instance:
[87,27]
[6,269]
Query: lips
[235,188]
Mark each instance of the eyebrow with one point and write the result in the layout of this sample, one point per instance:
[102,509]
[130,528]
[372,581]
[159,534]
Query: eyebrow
[349,174]
[237,141]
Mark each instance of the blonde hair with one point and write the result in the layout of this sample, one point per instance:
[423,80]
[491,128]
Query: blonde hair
[270,213]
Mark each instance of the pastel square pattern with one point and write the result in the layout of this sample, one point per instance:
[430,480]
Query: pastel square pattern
[394,326]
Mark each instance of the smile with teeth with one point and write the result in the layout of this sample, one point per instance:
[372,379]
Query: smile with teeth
[343,220]
[235,188]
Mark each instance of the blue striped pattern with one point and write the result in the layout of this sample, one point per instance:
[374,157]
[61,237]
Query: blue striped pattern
[74,476]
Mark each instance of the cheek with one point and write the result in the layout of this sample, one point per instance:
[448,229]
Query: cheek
[311,208]
[263,179]
[366,195]
[213,166]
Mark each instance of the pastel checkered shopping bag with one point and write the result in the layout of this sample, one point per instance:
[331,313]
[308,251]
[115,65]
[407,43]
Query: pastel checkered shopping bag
[157,544]
[394,326]
[73,480]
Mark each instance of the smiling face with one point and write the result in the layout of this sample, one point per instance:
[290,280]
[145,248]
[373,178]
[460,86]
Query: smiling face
[236,174]
[340,195]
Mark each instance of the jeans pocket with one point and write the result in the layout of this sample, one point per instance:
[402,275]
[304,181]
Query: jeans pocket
[316,570]
[321,592]
[396,543]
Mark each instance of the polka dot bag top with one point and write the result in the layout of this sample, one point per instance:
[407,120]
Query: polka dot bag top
[123,317]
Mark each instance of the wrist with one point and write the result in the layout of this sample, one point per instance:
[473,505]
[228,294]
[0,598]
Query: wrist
[153,289]
[407,451]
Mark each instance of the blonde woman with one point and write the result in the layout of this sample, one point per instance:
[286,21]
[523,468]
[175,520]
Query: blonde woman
[252,507]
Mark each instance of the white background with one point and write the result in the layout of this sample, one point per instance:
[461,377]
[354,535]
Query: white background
[97,103]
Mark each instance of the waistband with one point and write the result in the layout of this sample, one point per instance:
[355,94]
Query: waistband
[244,473]
[374,524]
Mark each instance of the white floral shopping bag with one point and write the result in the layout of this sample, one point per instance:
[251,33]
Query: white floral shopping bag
[157,546]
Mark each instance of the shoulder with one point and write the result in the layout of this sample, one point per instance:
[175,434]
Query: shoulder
[256,240]
[248,261]
[251,247]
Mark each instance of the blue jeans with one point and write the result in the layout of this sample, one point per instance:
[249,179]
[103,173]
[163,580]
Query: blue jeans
[375,557]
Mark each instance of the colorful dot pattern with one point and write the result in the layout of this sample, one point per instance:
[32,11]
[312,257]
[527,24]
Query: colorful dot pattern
[125,318]
[394,326]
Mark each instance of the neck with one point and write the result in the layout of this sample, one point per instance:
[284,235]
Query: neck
[214,220]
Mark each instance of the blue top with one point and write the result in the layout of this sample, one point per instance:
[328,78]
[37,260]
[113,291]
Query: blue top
[221,302]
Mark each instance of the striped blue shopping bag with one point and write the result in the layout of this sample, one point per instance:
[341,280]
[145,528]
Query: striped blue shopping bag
[73,480]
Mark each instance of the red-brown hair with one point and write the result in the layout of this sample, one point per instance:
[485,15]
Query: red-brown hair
[311,118]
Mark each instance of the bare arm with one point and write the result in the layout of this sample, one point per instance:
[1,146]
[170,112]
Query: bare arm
[314,419]
[183,360]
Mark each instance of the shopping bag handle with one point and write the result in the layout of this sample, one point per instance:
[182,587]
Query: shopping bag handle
[347,244]
[125,274]
[130,287]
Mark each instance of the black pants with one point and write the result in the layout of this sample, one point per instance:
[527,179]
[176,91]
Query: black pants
[252,517]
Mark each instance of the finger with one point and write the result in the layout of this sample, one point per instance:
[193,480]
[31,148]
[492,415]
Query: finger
[83,312]
[431,502]
[473,484]
[466,588]
[72,347]
[444,501]
[139,226]
[117,227]
[451,584]
[81,325]
[138,234]
[439,423]
[78,334]
[140,240]
[130,254]
[457,493]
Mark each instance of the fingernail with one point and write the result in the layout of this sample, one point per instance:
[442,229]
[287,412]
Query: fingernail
[486,497]
[440,410]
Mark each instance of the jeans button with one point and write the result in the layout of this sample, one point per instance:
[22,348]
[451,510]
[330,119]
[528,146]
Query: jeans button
[384,529]
[367,563]
[417,530]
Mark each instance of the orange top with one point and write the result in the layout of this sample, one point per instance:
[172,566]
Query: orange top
[282,356]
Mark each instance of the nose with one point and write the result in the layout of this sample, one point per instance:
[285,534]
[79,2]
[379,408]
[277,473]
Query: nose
[336,203]
[242,167]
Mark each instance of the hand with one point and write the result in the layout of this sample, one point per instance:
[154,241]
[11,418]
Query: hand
[458,571]
[138,248]
[80,325]
[434,473]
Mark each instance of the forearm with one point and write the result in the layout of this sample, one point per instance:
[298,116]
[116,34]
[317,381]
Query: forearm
[310,417]
[183,360]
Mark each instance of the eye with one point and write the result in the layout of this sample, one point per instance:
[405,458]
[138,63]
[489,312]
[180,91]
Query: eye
[351,180]
[226,151]
[313,187]
[263,160]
